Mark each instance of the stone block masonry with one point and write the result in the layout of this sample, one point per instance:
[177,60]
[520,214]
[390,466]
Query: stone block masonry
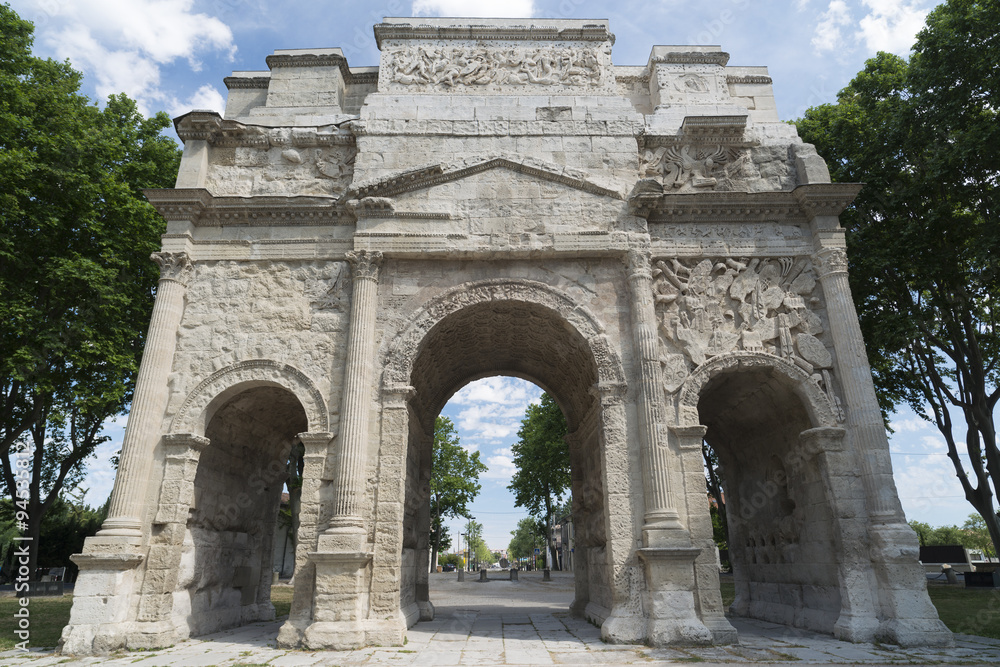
[347,246]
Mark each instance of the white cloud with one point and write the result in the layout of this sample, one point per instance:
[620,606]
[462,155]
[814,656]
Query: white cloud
[480,8]
[206,97]
[829,31]
[892,25]
[910,425]
[124,43]
[501,467]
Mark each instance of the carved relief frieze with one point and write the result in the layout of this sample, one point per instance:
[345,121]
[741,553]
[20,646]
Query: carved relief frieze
[710,307]
[692,167]
[250,160]
[480,67]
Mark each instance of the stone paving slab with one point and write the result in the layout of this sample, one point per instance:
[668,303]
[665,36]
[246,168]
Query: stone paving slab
[524,623]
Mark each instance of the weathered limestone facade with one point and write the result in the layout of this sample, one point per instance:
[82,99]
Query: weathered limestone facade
[349,246]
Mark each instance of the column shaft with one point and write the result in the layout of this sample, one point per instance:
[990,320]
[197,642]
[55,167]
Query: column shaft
[660,510]
[864,420]
[125,514]
[350,471]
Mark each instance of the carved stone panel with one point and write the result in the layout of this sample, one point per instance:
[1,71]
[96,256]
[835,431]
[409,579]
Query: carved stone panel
[708,307]
[478,68]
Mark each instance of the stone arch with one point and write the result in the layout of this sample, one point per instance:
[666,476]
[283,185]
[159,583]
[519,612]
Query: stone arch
[806,387]
[214,391]
[404,348]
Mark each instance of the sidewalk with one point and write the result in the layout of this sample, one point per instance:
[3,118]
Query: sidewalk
[523,623]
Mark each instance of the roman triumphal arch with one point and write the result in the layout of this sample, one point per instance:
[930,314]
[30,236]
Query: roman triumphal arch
[347,246]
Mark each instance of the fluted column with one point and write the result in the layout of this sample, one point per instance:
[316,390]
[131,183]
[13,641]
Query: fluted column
[863,418]
[661,513]
[349,475]
[142,432]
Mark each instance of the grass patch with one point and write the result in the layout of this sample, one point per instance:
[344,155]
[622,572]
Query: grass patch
[970,611]
[281,598]
[48,615]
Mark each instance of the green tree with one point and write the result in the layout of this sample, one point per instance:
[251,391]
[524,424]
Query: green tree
[75,276]
[542,459]
[923,235]
[454,482]
[528,536]
[978,535]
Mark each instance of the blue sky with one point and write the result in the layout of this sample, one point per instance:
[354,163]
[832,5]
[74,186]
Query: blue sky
[172,55]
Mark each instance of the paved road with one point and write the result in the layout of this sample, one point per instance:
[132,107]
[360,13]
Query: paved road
[524,623]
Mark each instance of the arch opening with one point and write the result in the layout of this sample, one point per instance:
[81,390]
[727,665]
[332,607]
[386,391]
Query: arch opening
[224,577]
[780,538]
[532,342]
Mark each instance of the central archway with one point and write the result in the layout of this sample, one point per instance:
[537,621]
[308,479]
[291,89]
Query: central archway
[533,332]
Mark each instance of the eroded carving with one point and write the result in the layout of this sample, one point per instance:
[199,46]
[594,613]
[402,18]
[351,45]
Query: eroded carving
[693,167]
[450,67]
[710,307]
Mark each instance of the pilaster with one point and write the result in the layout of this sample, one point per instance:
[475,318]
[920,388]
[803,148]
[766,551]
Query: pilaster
[707,598]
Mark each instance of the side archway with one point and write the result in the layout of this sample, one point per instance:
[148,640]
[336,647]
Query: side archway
[216,390]
[815,401]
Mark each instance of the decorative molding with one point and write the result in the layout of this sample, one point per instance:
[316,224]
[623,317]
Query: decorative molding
[245,82]
[415,31]
[224,132]
[744,207]
[200,208]
[719,58]
[193,415]
[750,79]
[431,175]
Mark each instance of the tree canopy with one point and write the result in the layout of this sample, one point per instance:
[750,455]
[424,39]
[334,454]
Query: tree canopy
[529,535]
[923,236]
[75,275]
[542,459]
[454,481]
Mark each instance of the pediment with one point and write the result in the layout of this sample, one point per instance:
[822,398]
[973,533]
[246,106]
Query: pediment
[429,176]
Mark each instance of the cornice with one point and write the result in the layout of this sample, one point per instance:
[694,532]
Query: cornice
[199,207]
[692,58]
[724,130]
[410,31]
[756,79]
[431,175]
[223,132]
[801,204]
[243,82]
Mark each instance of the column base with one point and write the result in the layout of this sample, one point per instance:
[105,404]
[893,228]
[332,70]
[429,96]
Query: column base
[722,631]
[919,632]
[338,601]
[336,636]
[673,616]
[101,601]
[623,629]
[856,629]
[910,618]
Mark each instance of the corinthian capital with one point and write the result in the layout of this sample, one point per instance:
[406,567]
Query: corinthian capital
[830,260]
[365,264]
[638,264]
[174,266]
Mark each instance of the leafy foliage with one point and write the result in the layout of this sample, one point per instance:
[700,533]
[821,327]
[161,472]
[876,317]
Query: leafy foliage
[971,535]
[454,481]
[529,535]
[923,235]
[542,459]
[75,274]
